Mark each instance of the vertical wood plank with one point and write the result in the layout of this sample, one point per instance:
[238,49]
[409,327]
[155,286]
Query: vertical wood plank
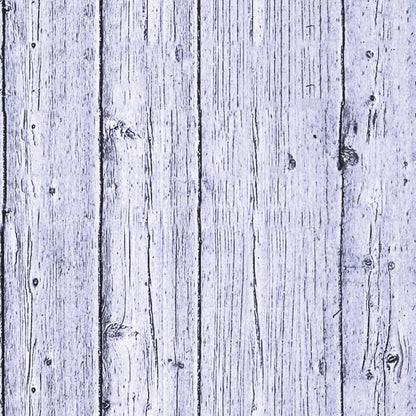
[378,228]
[51,225]
[271,207]
[150,207]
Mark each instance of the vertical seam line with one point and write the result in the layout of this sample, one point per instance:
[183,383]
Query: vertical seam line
[4,210]
[199,283]
[341,167]
[101,207]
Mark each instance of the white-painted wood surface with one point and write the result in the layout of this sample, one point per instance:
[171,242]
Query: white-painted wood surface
[150,207]
[379,246]
[51,220]
[207,207]
[271,208]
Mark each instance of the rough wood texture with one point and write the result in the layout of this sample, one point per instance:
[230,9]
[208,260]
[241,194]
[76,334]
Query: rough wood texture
[51,226]
[232,181]
[150,207]
[379,228]
[271,207]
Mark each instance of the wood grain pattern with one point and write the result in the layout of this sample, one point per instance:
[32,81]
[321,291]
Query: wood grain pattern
[378,227]
[207,207]
[150,207]
[271,207]
[51,226]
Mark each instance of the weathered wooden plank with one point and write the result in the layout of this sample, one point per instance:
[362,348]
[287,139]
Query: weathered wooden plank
[150,207]
[51,226]
[378,227]
[271,201]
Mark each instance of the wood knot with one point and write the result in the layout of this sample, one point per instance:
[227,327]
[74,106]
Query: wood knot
[392,360]
[48,361]
[119,130]
[368,263]
[119,331]
[369,54]
[349,157]
[391,265]
[369,375]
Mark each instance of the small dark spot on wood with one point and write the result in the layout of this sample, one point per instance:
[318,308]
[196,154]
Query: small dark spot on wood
[321,366]
[292,162]
[106,404]
[315,136]
[48,361]
[369,54]
[372,97]
[7,211]
[355,127]
[180,365]
[349,157]
[33,389]
[169,360]
[405,180]
[35,282]
[33,45]
[179,53]
[405,164]
[367,262]
[391,265]
[369,375]
[51,190]
[33,126]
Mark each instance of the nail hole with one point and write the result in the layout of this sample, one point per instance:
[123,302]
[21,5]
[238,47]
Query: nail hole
[372,98]
[33,45]
[33,390]
[35,282]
